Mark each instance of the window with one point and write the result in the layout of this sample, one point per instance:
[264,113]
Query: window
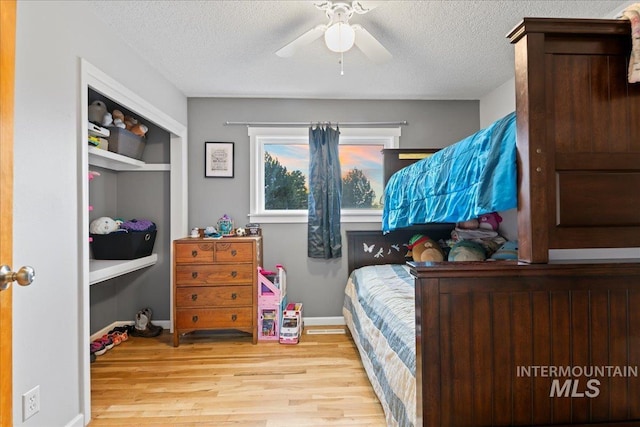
[280,167]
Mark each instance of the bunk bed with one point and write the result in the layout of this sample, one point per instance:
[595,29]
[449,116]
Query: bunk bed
[526,342]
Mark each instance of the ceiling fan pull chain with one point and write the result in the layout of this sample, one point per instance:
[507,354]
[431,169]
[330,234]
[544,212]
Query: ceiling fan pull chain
[342,63]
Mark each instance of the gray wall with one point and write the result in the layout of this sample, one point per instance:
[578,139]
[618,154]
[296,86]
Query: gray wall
[319,284]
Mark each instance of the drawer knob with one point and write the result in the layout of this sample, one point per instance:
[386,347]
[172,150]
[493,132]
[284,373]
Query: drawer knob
[234,252]
[194,274]
[194,253]
[234,273]
[194,319]
[194,297]
[234,295]
[234,317]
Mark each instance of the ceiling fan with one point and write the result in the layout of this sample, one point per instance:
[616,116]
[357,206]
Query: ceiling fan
[339,35]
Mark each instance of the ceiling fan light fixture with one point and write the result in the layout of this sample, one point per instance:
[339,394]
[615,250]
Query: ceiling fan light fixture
[339,37]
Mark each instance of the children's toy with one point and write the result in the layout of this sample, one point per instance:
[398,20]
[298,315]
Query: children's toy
[292,324]
[422,249]
[103,225]
[470,224]
[225,225]
[210,231]
[96,111]
[272,299]
[467,250]
[490,221]
[139,129]
[509,250]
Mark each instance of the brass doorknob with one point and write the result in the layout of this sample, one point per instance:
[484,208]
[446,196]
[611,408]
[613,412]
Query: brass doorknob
[23,277]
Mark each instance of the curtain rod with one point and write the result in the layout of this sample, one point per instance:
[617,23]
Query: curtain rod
[304,124]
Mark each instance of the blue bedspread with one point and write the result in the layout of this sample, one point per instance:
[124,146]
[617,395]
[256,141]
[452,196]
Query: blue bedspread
[475,176]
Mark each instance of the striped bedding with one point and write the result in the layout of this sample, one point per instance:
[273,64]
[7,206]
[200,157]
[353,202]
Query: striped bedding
[380,313]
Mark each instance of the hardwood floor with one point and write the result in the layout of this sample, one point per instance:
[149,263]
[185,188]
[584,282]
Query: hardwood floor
[226,381]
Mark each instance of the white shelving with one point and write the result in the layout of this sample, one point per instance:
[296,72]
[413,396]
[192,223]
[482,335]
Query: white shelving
[101,270]
[118,162]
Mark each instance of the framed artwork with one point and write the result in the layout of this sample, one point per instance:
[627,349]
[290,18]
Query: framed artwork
[218,159]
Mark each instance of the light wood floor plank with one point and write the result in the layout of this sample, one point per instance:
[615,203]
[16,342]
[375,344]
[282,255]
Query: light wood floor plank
[224,380]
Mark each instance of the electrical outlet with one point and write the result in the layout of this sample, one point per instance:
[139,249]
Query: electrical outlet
[30,403]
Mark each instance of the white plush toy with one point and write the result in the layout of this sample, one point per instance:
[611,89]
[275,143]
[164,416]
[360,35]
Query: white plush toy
[97,109]
[103,225]
[241,232]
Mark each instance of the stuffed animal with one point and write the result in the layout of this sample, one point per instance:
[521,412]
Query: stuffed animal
[466,250]
[96,111]
[210,231]
[118,119]
[117,114]
[423,249]
[490,221]
[107,119]
[509,250]
[139,129]
[470,224]
[130,122]
[103,225]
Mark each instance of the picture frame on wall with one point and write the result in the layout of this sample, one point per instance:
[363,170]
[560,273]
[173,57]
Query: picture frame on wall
[218,159]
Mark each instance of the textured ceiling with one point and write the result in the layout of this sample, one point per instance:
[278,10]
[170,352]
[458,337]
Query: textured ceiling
[441,49]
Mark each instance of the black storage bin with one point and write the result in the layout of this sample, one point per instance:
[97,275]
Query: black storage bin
[131,245]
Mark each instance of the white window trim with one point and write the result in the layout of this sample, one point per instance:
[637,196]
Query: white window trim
[257,136]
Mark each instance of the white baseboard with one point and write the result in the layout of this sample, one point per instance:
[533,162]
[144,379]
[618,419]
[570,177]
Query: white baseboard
[324,321]
[77,421]
[166,324]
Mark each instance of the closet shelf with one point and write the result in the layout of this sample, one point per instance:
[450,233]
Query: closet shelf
[118,162]
[101,270]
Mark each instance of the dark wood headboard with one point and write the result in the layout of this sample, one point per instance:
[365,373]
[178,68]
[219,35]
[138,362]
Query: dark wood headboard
[371,247]
[395,159]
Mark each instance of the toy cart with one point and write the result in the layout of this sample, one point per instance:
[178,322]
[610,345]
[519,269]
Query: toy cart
[272,299]
[292,324]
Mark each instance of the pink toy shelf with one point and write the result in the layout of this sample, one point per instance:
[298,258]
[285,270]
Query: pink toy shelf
[272,299]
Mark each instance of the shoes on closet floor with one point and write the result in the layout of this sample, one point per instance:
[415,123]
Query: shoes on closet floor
[97,348]
[119,336]
[106,341]
[143,326]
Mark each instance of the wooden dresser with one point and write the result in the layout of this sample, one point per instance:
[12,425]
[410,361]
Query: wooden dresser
[215,284]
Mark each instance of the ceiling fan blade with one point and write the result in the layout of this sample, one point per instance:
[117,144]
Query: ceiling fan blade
[304,40]
[370,46]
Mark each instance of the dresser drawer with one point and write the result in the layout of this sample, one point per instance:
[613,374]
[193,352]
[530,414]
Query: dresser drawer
[216,296]
[189,253]
[234,251]
[210,274]
[217,318]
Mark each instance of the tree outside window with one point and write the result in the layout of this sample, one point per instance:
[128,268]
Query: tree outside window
[286,176]
[280,173]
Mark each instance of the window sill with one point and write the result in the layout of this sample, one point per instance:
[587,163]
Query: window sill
[301,218]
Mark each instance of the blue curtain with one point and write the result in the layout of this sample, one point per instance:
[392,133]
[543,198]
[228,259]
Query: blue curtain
[325,194]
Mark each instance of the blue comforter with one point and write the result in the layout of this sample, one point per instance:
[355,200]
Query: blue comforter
[475,176]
